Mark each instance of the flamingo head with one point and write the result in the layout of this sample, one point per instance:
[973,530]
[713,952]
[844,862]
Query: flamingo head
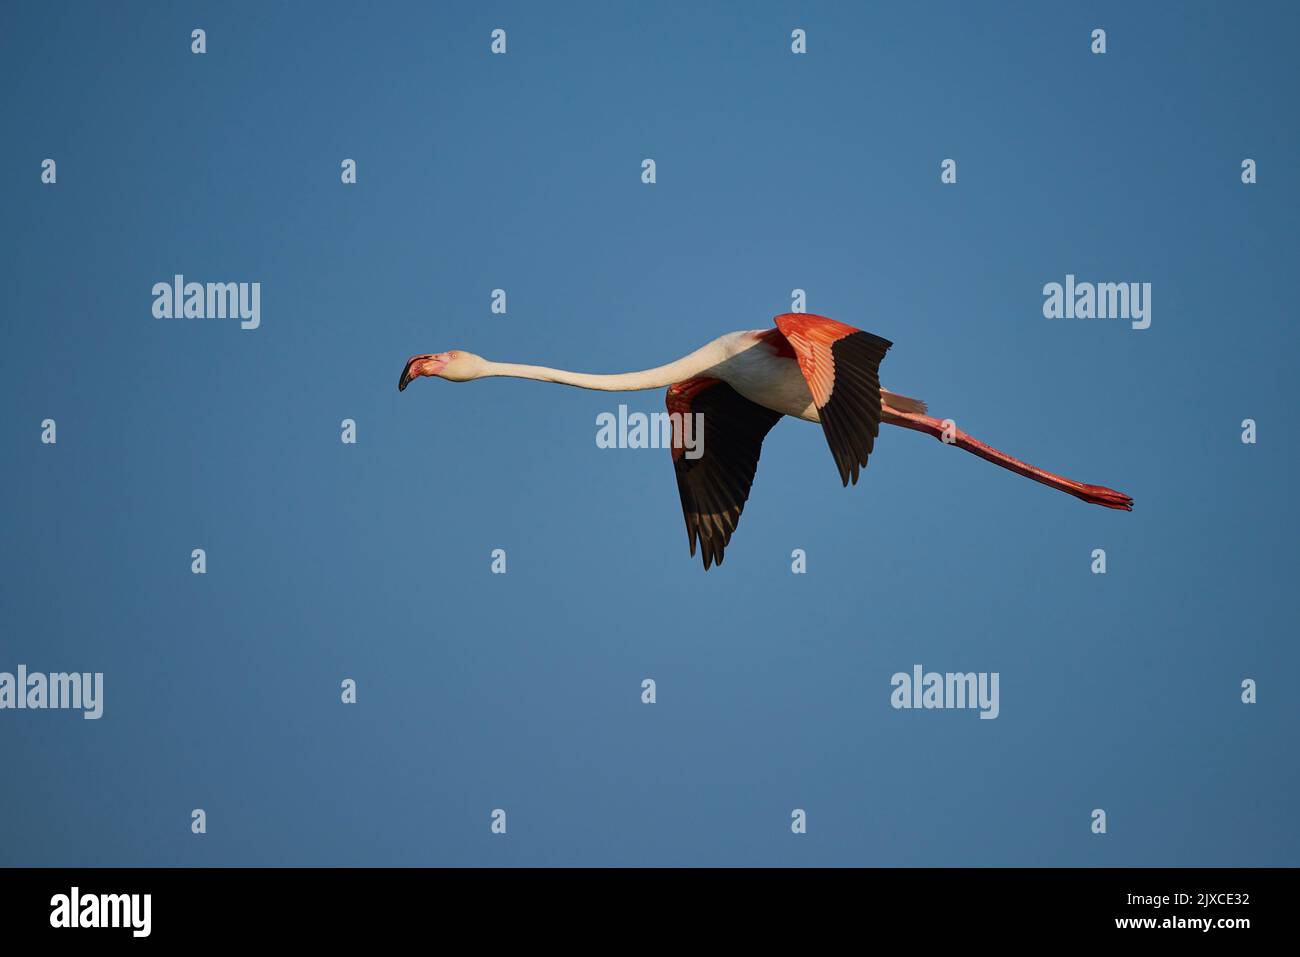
[455,366]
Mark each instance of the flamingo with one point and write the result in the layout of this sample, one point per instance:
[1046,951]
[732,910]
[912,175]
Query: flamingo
[809,367]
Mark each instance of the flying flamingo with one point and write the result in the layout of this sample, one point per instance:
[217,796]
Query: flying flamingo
[808,367]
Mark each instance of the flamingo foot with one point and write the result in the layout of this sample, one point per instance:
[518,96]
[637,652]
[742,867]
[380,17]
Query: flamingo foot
[1100,495]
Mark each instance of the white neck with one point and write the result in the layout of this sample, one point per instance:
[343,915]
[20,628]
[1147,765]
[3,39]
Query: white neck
[686,367]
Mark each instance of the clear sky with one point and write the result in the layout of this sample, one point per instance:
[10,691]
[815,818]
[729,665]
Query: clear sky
[522,691]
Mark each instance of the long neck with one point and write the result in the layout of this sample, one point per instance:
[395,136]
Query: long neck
[684,368]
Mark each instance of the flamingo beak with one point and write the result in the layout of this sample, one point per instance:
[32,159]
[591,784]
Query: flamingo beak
[406,378]
[417,366]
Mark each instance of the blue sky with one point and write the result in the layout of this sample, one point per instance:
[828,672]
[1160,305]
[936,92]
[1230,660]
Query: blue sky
[522,691]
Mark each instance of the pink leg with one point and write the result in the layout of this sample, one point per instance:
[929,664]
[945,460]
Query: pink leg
[1096,494]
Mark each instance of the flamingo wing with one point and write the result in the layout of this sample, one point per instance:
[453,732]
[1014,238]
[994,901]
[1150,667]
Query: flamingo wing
[841,365]
[715,485]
